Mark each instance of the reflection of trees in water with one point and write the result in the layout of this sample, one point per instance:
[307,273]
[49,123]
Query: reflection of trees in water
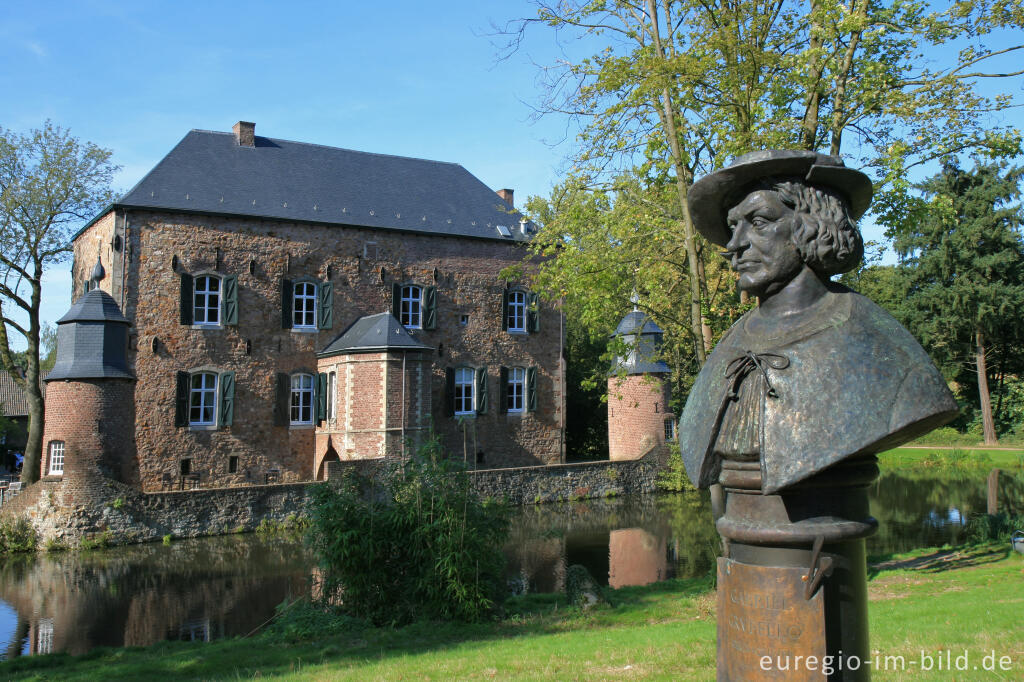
[927,507]
[142,594]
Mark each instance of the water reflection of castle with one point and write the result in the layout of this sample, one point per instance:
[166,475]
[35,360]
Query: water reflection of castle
[144,594]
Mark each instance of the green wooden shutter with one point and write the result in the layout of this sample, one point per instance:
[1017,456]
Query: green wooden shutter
[181,399]
[282,399]
[321,398]
[186,298]
[481,390]
[229,299]
[430,307]
[325,305]
[449,392]
[396,300]
[532,313]
[503,390]
[531,389]
[227,399]
[504,310]
[287,294]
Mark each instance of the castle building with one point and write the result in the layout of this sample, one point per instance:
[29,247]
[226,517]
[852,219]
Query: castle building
[291,304]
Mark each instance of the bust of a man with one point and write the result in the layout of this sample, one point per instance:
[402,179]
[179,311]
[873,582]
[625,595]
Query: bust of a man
[816,373]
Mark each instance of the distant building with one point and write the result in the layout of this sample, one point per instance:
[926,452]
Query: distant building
[14,407]
[241,262]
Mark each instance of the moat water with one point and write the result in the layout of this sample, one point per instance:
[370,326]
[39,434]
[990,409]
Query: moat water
[229,586]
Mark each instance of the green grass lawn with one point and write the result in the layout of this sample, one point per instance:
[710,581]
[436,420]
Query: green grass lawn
[960,457]
[929,602]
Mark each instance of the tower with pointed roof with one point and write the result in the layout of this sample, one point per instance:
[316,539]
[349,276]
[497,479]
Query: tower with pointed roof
[90,397]
[639,416]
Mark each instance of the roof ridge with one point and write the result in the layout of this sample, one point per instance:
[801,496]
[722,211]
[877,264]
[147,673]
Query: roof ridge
[332,147]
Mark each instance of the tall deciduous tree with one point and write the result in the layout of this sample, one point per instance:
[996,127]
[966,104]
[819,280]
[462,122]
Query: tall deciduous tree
[50,183]
[665,90]
[963,255]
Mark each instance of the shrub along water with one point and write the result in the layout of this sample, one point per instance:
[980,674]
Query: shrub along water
[417,543]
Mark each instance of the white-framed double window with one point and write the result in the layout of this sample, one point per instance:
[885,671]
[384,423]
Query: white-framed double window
[464,394]
[56,467]
[411,307]
[516,320]
[515,392]
[206,300]
[202,403]
[302,399]
[304,306]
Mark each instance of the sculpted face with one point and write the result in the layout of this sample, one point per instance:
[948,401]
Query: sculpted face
[762,246]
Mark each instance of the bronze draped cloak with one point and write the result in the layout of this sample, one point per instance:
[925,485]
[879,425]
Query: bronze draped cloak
[853,381]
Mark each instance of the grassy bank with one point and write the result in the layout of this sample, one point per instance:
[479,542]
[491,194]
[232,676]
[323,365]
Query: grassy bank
[926,602]
[960,457]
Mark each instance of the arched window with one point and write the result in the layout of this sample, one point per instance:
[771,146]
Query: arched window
[206,300]
[516,312]
[515,391]
[411,312]
[56,467]
[304,306]
[302,399]
[202,403]
[464,383]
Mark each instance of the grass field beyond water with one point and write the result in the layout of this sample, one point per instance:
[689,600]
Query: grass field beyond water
[966,602]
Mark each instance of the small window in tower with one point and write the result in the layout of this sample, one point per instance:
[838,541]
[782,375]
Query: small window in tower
[464,320]
[233,464]
[670,429]
[56,457]
[186,466]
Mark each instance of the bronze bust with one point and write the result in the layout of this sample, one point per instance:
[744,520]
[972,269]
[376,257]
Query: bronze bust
[816,373]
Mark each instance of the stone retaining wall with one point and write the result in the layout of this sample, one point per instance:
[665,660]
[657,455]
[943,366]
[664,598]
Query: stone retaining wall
[120,514]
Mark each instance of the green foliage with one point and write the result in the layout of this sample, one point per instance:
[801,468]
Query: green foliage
[419,544]
[302,620]
[17,535]
[581,590]
[55,545]
[292,527]
[167,539]
[983,528]
[118,503]
[96,541]
[673,477]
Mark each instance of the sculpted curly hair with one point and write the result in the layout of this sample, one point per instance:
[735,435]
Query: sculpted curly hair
[825,234]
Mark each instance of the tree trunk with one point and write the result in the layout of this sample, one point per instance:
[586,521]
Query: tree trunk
[987,423]
[34,443]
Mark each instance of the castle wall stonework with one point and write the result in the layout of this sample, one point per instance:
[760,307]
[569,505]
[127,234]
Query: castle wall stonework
[361,264]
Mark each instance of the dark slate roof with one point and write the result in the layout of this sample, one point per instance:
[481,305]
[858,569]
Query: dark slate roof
[92,340]
[643,337]
[13,402]
[634,321]
[373,333]
[94,306]
[209,172]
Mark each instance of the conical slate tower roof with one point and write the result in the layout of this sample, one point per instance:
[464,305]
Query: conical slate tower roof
[373,333]
[92,340]
[643,337]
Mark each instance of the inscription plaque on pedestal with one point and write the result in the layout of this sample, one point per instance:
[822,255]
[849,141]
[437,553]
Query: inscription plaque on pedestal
[762,613]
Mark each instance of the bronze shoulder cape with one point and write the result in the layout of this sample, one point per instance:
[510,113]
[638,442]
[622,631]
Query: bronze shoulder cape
[856,382]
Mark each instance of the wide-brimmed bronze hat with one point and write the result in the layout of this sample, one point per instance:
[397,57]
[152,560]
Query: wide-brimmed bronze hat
[709,195]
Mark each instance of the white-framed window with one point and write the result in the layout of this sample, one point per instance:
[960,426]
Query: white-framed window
[302,399]
[206,300]
[670,428]
[332,389]
[516,321]
[202,403]
[515,396]
[304,305]
[411,311]
[464,385]
[56,457]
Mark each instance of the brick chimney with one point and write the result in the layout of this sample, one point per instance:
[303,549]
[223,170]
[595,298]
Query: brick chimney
[245,133]
[506,194]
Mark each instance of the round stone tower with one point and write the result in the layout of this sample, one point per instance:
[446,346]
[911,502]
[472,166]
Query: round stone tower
[90,396]
[639,416]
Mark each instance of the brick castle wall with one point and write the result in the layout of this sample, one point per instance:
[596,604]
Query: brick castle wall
[361,264]
[638,406]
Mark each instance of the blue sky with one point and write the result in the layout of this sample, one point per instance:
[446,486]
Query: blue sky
[409,78]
